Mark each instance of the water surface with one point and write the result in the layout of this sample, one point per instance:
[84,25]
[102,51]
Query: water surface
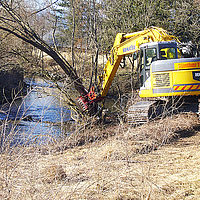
[38,117]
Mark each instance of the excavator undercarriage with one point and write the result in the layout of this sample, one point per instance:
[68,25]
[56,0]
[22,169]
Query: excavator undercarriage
[145,111]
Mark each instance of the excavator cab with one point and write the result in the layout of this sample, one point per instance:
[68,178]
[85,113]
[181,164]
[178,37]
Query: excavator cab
[163,74]
[154,51]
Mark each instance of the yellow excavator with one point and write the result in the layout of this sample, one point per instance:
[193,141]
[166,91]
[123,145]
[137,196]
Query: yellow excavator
[163,72]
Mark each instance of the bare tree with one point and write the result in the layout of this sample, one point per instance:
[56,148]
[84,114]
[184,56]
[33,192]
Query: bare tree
[13,23]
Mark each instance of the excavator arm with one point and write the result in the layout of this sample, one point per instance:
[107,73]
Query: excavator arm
[125,44]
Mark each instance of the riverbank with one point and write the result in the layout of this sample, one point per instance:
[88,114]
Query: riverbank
[11,82]
[159,160]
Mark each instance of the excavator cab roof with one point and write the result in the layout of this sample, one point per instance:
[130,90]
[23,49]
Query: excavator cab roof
[160,44]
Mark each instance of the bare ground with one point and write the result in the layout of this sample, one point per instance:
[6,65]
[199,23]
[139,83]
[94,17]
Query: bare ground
[159,160]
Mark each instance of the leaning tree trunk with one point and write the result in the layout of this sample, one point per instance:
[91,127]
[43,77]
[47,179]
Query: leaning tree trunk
[14,24]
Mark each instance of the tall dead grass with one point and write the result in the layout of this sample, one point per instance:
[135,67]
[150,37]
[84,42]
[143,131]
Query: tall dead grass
[99,163]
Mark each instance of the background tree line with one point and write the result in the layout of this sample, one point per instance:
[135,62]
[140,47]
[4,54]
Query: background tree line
[109,17]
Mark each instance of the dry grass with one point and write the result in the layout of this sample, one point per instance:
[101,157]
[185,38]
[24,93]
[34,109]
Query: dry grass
[117,163]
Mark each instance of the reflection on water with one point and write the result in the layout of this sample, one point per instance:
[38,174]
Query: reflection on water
[38,116]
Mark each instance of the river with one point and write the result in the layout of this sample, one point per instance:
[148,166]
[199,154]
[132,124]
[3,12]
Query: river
[39,117]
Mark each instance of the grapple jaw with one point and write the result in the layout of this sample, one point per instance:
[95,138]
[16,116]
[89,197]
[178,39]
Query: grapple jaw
[88,102]
[83,103]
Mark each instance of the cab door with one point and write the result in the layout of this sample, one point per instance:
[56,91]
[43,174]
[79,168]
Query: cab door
[147,56]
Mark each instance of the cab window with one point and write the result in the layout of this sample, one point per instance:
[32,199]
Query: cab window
[167,53]
[151,55]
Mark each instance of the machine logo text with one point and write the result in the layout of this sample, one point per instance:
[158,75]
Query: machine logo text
[196,75]
[130,48]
